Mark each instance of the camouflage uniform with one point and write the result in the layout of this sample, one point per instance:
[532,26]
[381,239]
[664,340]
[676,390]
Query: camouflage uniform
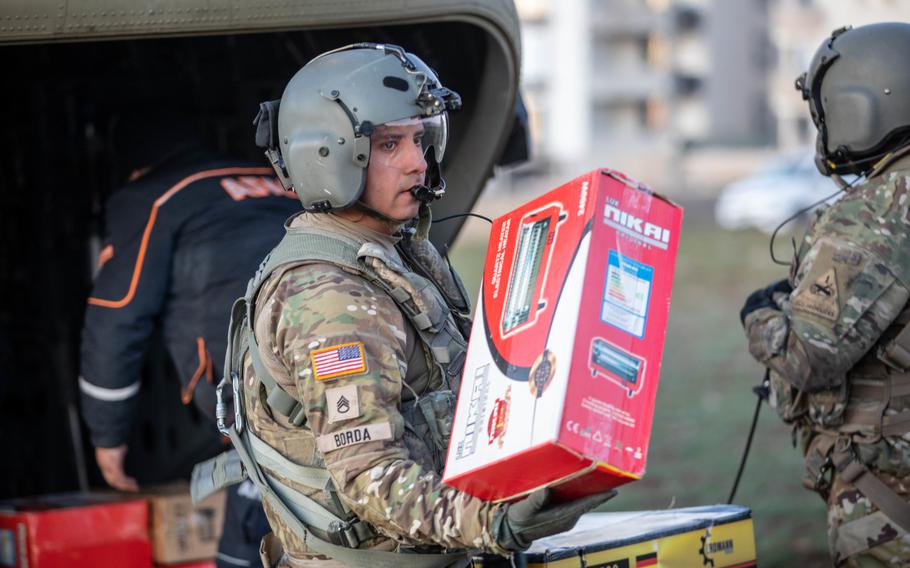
[390,480]
[851,280]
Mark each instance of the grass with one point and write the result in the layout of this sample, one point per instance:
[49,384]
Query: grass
[704,404]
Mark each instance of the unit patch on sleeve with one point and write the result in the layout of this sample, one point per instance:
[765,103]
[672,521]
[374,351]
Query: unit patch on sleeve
[342,403]
[821,298]
[353,436]
[338,361]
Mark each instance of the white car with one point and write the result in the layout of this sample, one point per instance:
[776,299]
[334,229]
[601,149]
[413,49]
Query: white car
[765,199]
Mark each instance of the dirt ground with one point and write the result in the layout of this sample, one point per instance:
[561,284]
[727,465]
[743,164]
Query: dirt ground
[705,403]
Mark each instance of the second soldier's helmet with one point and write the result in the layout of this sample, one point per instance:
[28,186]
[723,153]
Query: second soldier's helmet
[331,107]
[858,89]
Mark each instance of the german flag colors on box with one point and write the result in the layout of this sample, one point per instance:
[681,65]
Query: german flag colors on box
[719,536]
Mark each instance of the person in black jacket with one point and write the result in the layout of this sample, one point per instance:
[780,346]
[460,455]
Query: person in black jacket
[182,238]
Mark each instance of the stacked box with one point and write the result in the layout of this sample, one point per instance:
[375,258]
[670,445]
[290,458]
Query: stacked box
[562,368]
[180,531]
[721,536]
[75,530]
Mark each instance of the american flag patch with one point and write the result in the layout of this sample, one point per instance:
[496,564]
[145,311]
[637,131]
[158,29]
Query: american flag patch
[338,361]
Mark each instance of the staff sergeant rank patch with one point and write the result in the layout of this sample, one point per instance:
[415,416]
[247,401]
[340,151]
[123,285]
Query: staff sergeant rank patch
[338,361]
[342,403]
[353,436]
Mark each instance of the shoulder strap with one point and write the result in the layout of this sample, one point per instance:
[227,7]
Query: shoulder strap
[416,248]
[296,247]
[304,245]
[240,338]
[855,472]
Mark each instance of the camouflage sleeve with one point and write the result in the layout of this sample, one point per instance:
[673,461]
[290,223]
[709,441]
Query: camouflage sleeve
[844,299]
[344,340]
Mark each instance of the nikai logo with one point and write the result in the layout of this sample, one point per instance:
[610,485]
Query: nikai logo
[637,227]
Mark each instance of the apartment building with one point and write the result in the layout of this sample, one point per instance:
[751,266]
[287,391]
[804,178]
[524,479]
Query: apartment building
[636,84]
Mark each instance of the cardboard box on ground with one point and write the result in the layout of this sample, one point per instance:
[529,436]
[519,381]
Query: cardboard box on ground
[562,367]
[179,531]
[720,536]
[160,525]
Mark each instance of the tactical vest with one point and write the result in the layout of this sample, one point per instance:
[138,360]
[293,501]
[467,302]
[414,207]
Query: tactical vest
[841,427]
[433,299]
[873,401]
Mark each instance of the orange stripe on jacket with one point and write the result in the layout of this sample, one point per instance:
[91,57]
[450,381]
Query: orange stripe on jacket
[146,235]
[105,255]
[205,366]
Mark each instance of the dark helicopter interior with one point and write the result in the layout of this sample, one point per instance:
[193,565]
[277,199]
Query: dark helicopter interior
[63,111]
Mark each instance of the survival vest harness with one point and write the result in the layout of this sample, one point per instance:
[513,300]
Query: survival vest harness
[434,301]
[873,402]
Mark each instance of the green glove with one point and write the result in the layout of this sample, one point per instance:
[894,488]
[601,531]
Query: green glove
[519,524]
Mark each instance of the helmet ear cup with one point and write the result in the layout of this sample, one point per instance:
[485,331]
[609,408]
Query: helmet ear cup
[322,168]
[853,117]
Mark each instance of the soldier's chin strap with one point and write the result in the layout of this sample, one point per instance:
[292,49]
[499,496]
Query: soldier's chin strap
[367,210]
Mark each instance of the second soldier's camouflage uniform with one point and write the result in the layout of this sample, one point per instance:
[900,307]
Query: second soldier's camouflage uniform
[354,427]
[837,373]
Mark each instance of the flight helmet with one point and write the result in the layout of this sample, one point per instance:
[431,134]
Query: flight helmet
[334,104]
[858,90]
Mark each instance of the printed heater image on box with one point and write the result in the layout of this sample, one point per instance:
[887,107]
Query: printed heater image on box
[612,362]
[532,255]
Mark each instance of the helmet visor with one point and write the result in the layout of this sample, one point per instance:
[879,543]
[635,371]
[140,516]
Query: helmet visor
[401,143]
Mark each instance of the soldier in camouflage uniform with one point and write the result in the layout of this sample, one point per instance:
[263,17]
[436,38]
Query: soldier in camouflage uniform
[358,333]
[835,334]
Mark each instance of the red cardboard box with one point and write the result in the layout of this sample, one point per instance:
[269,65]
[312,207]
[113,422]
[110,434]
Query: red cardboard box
[75,530]
[561,371]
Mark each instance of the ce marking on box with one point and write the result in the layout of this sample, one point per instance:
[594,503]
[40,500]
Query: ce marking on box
[587,432]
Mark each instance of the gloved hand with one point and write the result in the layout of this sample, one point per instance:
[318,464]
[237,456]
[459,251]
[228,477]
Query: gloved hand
[519,524]
[764,298]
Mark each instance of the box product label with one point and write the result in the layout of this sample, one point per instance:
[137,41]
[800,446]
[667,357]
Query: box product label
[626,294]
[7,548]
